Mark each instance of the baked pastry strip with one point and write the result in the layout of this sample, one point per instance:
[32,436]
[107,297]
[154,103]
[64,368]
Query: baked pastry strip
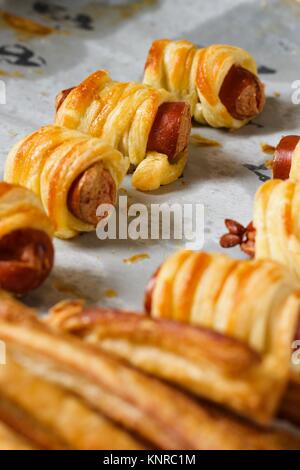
[202,361]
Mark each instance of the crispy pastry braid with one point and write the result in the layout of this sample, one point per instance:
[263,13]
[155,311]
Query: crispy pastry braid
[122,114]
[276,221]
[154,411]
[26,250]
[219,82]
[50,160]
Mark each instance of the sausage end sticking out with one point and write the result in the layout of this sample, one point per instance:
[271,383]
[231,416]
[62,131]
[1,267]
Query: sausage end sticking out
[171,129]
[26,259]
[95,186]
[149,292]
[283,156]
[242,94]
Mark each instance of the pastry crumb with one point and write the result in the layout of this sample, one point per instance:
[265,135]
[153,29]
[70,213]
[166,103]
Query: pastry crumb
[267,148]
[110,293]
[202,141]
[25,24]
[136,258]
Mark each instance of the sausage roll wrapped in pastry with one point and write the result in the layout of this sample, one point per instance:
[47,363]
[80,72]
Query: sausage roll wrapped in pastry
[213,290]
[220,82]
[57,364]
[144,123]
[26,249]
[275,231]
[286,162]
[72,173]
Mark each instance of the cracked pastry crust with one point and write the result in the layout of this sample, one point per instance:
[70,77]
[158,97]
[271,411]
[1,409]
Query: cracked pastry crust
[122,114]
[197,75]
[276,220]
[49,160]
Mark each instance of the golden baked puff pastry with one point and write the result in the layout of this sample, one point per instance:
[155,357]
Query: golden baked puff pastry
[219,82]
[145,124]
[209,364]
[275,231]
[26,249]
[276,223]
[72,173]
[215,291]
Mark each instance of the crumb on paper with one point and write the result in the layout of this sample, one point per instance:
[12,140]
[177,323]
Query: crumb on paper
[14,74]
[202,141]
[66,288]
[136,258]
[25,25]
[110,293]
[267,148]
[276,94]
